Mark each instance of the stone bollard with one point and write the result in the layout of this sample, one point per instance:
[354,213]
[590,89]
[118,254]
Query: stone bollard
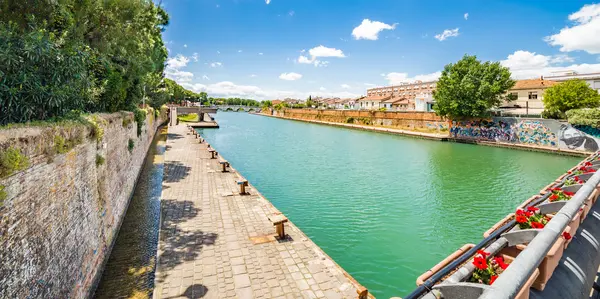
[278,221]
[200,141]
[224,164]
[362,292]
[243,184]
[213,153]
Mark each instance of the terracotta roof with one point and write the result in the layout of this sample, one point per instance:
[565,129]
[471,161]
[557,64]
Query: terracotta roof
[275,102]
[375,98]
[533,84]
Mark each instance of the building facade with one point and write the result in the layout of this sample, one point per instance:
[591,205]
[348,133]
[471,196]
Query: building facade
[592,79]
[529,96]
[397,97]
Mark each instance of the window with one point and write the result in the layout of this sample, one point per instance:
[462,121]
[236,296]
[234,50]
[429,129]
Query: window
[533,95]
[515,95]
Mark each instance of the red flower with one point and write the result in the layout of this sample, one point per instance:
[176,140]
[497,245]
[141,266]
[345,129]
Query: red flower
[521,219]
[483,253]
[588,163]
[532,209]
[528,214]
[535,224]
[556,189]
[567,236]
[499,259]
[503,265]
[591,170]
[480,263]
[493,278]
[520,212]
[569,172]
[553,197]
[568,193]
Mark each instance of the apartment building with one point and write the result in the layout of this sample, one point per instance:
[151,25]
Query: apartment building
[529,95]
[592,79]
[397,97]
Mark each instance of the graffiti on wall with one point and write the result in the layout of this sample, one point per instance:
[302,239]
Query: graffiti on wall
[539,132]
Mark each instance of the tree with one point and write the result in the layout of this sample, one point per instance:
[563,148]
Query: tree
[571,94]
[309,102]
[470,88]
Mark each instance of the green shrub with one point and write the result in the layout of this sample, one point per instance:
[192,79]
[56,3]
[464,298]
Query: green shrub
[350,120]
[130,145]
[569,95]
[97,130]
[584,117]
[139,115]
[99,160]
[127,120]
[11,161]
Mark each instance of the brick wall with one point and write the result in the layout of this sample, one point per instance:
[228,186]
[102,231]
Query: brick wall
[401,120]
[61,215]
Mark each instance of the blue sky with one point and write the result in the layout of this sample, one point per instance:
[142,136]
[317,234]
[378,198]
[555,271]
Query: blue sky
[269,49]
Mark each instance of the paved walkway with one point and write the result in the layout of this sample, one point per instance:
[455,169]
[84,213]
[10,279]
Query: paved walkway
[210,237]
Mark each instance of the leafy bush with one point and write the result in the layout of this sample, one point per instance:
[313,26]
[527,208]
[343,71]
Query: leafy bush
[571,94]
[11,161]
[130,145]
[584,117]
[60,146]
[350,120]
[470,88]
[139,115]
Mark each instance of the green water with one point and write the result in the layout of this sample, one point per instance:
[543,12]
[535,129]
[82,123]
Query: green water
[384,207]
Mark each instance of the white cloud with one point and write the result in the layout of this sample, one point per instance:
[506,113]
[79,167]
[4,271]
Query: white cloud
[370,29]
[397,78]
[345,86]
[322,51]
[230,89]
[302,51]
[239,51]
[267,1]
[290,76]
[218,52]
[527,65]
[185,45]
[260,53]
[253,76]
[322,88]
[583,35]
[216,64]
[466,16]
[195,57]
[177,62]
[446,34]
[370,85]
[291,13]
[173,69]
[178,76]
[205,77]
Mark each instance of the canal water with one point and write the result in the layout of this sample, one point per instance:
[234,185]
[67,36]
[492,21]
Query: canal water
[384,207]
[129,272]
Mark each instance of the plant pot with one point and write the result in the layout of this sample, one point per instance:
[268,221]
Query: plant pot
[449,259]
[524,291]
[522,294]
[587,204]
[549,262]
[528,201]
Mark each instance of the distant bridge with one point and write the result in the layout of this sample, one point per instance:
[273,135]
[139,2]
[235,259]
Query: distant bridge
[237,108]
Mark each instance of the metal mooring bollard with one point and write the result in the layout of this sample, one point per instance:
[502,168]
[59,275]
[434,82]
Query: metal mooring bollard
[224,164]
[243,184]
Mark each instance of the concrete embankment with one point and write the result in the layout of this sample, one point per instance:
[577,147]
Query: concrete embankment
[61,214]
[216,243]
[532,136]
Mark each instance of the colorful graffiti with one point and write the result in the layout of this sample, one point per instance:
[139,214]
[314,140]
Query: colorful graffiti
[538,132]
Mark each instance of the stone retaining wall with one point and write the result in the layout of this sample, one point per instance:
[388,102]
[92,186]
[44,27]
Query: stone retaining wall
[402,120]
[62,213]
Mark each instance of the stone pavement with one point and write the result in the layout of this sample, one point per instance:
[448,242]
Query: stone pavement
[210,237]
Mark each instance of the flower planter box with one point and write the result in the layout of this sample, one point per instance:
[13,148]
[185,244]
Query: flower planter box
[528,201]
[548,264]
[587,205]
[499,224]
[449,259]
[522,294]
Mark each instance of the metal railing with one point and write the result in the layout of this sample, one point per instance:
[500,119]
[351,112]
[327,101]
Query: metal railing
[509,284]
[512,280]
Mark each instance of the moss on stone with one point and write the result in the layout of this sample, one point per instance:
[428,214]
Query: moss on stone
[99,160]
[3,195]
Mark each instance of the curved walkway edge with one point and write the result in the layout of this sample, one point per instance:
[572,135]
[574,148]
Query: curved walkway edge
[216,243]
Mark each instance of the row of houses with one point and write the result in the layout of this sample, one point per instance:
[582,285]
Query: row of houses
[418,96]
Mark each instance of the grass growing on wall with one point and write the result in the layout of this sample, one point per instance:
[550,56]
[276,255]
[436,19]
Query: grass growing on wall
[11,161]
[130,145]
[3,195]
[99,160]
